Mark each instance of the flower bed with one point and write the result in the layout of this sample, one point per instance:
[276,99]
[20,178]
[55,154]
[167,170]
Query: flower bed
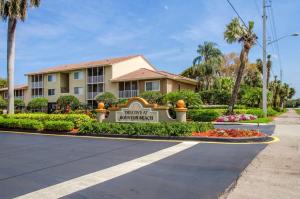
[229,133]
[236,118]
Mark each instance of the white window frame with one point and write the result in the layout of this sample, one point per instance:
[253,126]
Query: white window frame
[53,77]
[79,93]
[80,75]
[152,82]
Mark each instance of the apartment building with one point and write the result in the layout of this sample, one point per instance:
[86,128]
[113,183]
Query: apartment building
[125,77]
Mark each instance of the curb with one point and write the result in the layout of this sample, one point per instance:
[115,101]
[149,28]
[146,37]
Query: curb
[153,137]
[241,123]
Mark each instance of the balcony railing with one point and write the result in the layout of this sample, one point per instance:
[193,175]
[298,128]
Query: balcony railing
[37,96]
[92,95]
[64,90]
[19,97]
[128,93]
[95,79]
[37,84]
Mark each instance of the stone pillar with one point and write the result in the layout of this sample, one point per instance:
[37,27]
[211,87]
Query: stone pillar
[101,111]
[181,111]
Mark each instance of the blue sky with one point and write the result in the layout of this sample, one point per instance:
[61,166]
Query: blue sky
[167,32]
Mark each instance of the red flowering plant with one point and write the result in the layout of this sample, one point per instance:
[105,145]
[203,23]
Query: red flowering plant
[229,133]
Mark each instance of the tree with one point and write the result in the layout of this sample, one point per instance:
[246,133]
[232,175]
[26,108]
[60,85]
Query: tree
[3,83]
[205,65]
[68,101]
[107,98]
[13,10]
[259,65]
[38,104]
[153,97]
[235,32]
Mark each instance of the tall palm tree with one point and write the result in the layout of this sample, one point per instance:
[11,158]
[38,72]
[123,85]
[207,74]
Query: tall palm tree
[13,11]
[235,32]
[207,51]
[259,65]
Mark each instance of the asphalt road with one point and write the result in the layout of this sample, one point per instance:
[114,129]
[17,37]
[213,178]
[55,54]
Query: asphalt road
[32,162]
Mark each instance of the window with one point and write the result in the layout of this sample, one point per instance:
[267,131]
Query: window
[78,75]
[78,90]
[152,86]
[51,92]
[51,78]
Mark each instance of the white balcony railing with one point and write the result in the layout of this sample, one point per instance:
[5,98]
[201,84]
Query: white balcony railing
[128,93]
[37,96]
[19,97]
[37,84]
[95,79]
[92,95]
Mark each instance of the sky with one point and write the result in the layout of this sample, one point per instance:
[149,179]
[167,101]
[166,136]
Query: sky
[166,32]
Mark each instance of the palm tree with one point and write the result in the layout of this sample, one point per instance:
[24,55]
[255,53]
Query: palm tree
[259,65]
[235,32]
[207,51]
[13,10]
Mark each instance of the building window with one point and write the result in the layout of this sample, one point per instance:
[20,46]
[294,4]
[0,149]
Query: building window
[78,75]
[51,92]
[51,78]
[78,90]
[152,86]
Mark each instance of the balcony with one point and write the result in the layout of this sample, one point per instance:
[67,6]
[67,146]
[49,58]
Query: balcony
[37,84]
[95,79]
[92,95]
[64,90]
[37,96]
[19,97]
[128,93]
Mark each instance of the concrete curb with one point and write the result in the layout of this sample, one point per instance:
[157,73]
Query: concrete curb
[241,123]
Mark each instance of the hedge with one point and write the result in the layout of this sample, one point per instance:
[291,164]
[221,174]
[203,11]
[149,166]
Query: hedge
[21,124]
[158,129]
[77,119]
[58,125]
[200,115]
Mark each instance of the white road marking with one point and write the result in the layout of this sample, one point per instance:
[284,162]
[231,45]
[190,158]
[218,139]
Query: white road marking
[86,181]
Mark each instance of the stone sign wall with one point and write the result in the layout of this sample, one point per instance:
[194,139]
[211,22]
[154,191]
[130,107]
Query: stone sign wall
[139,110]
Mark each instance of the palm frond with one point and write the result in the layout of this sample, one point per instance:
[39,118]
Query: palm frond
[35,3]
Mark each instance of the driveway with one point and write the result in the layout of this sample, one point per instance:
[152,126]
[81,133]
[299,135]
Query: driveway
[40,166]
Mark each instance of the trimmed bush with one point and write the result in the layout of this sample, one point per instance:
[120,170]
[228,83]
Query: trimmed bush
[38,104]
[58,125]
[3,103]
[158,129]
[19,103]
[107,98]
[21,124]
[77,119]
[200,115]
[153,97]
[68,100]
[190,98]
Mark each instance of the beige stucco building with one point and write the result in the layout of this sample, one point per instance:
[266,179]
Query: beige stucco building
[125,77]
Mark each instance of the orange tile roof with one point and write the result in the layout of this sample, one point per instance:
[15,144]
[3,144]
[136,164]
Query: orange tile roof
[17,87]
[68,67]
[145,74]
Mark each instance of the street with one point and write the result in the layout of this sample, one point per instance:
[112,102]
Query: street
[29,163]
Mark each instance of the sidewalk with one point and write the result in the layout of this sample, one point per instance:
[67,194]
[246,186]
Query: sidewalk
[275,172]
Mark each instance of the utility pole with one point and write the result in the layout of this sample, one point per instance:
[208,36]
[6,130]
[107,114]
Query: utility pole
[265,108]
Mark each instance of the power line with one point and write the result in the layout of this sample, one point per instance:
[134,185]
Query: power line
[237,13]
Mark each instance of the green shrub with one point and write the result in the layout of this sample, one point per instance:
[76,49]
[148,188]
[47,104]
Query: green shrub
[19,103]
[190,98]
[272,112]
[200,115]
[39,104]
[77,119]
[215,96]
[21,124]
[3,103]
[153,97]
[58,125]
[107,98]
[68,100]
[159,129]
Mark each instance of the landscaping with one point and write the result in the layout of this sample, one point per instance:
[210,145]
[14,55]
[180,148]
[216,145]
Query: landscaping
[229,133]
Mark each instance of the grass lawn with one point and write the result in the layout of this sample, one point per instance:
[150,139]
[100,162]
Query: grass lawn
[260,120]
[297,111]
